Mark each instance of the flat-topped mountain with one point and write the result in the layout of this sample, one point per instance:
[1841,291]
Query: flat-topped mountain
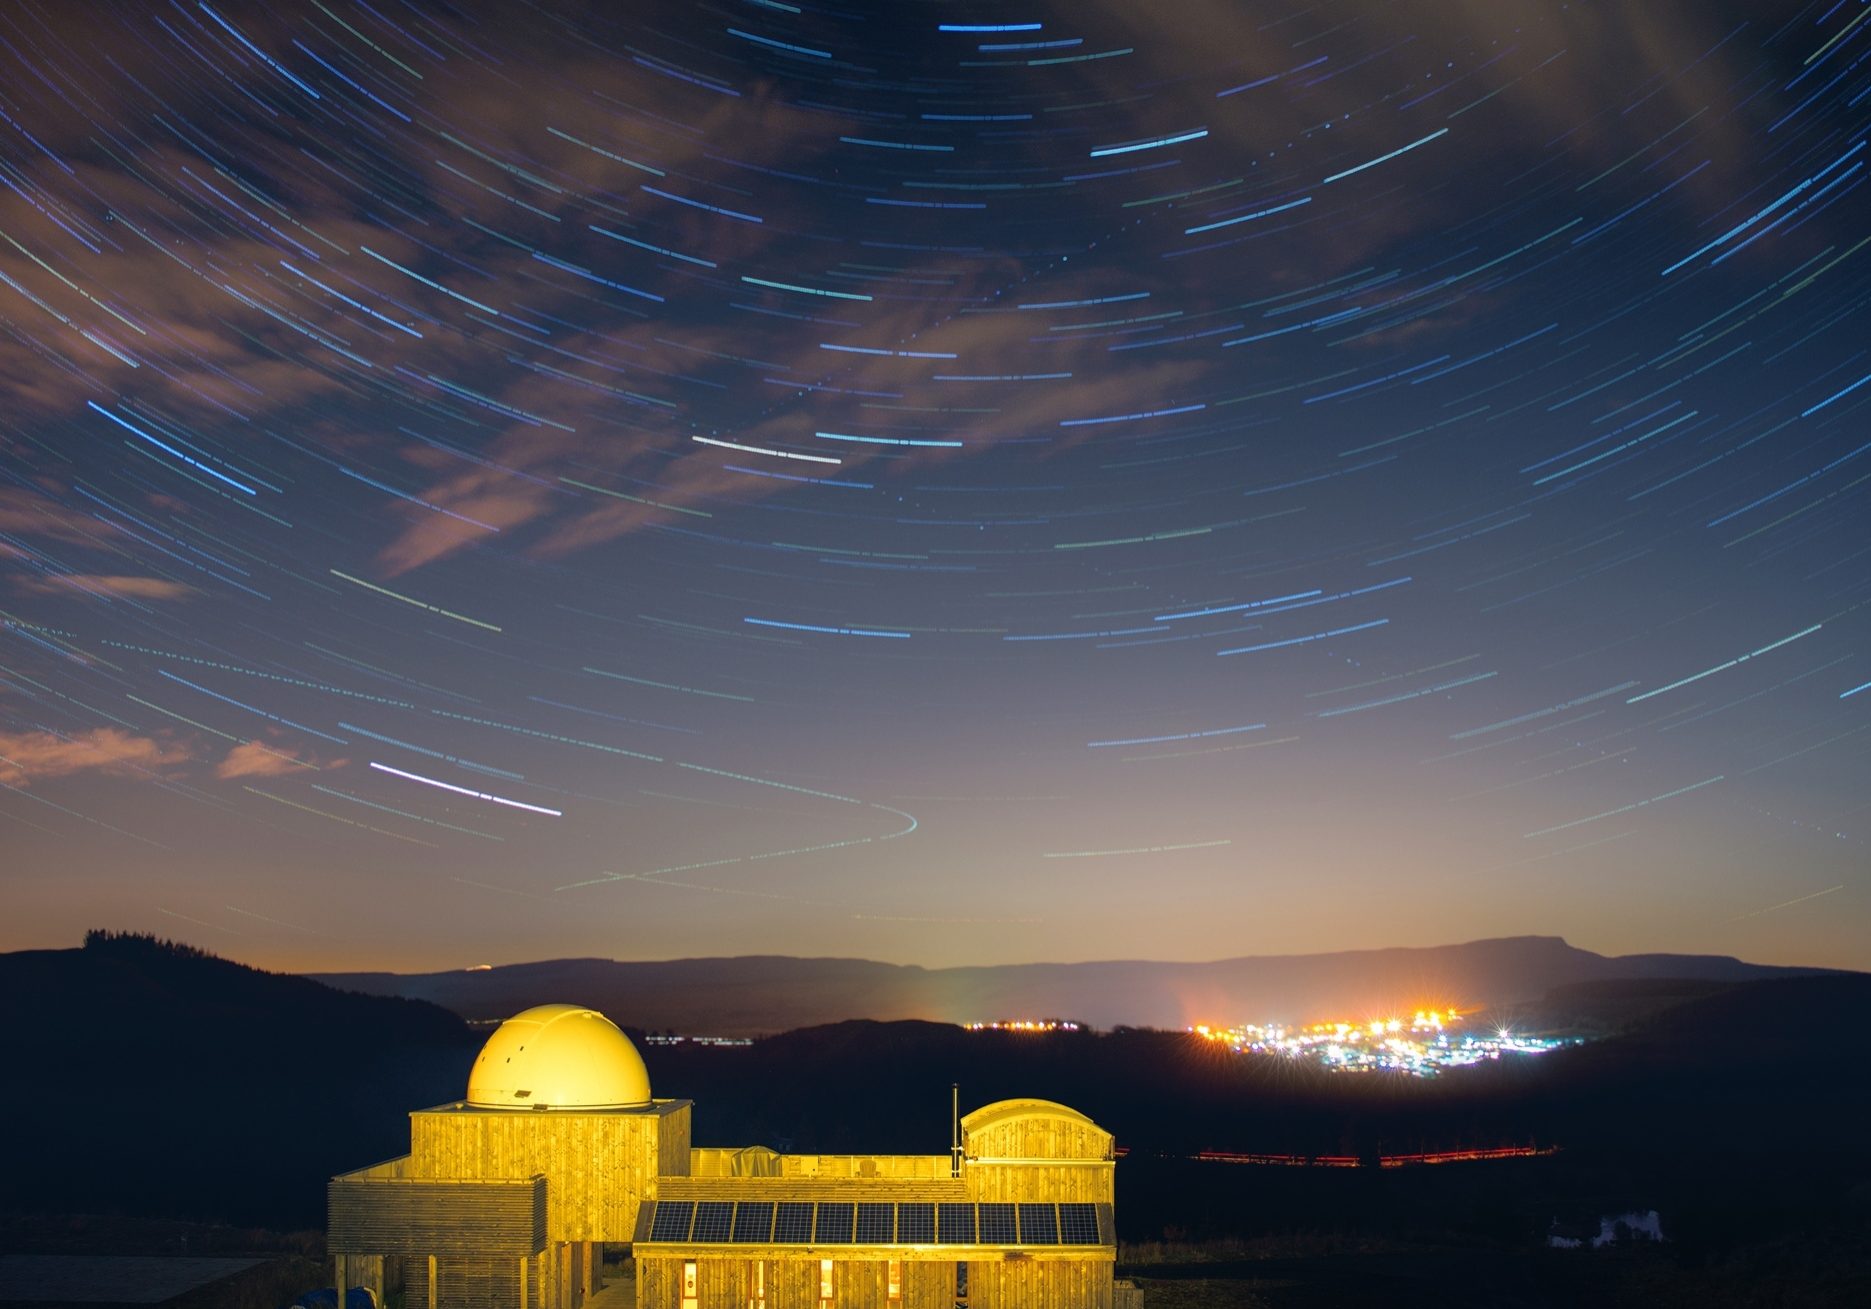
[753,995]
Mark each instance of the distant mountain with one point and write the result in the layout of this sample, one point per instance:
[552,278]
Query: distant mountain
[755,995]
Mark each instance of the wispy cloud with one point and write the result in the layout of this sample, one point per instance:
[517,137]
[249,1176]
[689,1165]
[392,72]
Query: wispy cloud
[28,757]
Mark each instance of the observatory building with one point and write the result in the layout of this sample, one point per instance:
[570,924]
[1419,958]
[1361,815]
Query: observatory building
[507,1198]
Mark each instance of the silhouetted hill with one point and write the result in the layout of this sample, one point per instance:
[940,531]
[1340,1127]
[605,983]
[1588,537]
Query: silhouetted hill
[759,994]
[1736,1114]
[1603,1008]
[151,1078]
[839,1086]
[155,1080]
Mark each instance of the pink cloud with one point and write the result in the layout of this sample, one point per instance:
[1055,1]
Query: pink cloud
[27,757]
[137,588]
[254,759]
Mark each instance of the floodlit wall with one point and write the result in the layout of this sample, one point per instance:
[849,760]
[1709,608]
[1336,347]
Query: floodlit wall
[1037,1151]
[1016,1283]
[600,1164]
[794,1283]
[916,1166]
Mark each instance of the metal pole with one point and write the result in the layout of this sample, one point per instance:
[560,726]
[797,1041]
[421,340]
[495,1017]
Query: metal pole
[954,1148]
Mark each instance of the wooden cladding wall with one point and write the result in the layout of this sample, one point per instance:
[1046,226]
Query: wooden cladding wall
[733,1161]
[602,1164]
[378,1216]
[926,1166]
[1035,1134]
[476,1284]
[673,1151]
[1037,1284]
[811,1188]
[794,1284]
[1092,1181]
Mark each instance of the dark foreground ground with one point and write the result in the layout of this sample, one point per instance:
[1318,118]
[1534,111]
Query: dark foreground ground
[1410,1277]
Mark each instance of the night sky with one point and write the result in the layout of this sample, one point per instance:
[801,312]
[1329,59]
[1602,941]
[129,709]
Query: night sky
[936,482]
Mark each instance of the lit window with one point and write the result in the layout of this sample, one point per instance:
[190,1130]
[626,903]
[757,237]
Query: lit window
[757,1286]
[689,1298]
[825,1281]
[896,1281]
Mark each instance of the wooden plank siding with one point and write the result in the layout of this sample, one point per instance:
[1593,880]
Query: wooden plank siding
[1033,1129]
[854,1189]
[395,1215]
[1092,1181]
[793,1283]
[844,1253]
[901,1166]
[473,1284]
[1038,1151]
[1020,1283]
[601,1163]
[733,1161]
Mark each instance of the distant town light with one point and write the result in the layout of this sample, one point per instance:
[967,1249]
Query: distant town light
[1425,1047]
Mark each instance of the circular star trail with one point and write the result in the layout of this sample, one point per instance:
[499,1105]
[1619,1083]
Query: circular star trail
[941,482]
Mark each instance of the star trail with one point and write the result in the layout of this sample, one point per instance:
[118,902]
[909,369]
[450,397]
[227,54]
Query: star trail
[941,481]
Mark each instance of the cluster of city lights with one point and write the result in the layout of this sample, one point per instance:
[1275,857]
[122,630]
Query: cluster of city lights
[1026,1025]
[1422,1045]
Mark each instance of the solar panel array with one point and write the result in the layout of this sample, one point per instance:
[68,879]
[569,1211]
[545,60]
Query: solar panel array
[672,1219]
[793,1224]
[836,1217]
[712,1219]
[955,1224]
[1078,1224]
[997,1224]
[1039,1224]
[877,1224]
[842,1222]
[915,1224]
[753,1222]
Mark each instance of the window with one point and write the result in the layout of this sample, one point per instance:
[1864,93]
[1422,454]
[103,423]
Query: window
[757,1285]
[825,1281]
[895,1284]
[689,1298]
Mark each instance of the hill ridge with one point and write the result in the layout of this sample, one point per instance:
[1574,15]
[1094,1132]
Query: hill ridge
[748,995]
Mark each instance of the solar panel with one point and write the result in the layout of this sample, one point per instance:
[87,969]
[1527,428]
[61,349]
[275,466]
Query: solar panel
[955,1224]
[876,1223]
[1039,1225]
[916,1224]
[835,1218]
[793,1223]
[712,1219]
[753,1222]
[671,1220]
[1078,1223]
[997,1225]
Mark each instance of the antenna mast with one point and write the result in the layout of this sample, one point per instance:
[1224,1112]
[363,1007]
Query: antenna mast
[954,1149]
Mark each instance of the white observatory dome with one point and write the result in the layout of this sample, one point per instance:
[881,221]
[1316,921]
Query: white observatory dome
[559,1056]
